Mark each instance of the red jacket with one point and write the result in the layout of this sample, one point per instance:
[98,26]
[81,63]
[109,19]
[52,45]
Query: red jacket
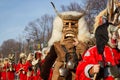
[6,74]
[37,76]
[29,70]
[20,70]
[0,72]
[92,57]
[36,73]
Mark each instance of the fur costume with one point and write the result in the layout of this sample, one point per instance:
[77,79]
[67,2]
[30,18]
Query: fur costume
[56,54]
[83,32]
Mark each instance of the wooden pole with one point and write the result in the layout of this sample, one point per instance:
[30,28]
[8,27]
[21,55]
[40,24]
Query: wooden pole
[95,75]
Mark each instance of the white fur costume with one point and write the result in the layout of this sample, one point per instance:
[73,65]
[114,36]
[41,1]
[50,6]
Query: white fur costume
[83,31]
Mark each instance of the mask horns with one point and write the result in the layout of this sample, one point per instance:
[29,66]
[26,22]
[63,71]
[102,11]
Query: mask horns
[110,9]
[55,9]
[67,17]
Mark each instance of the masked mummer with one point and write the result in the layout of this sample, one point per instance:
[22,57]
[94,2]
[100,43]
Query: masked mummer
[64,54]
[67,56]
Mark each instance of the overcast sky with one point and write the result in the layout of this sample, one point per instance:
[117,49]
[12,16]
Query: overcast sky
[16,14]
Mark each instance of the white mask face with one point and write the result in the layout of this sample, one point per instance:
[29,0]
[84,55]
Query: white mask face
[112,37]
[112,41]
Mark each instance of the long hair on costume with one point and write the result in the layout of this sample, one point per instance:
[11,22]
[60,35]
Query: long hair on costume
[101,35]
[83,31]
[98,20]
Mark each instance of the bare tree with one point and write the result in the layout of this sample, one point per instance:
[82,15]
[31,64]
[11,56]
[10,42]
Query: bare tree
[95,6]
[9,47]
[46,23]
[32,31]
[72,7]
[40,29]
[92,8]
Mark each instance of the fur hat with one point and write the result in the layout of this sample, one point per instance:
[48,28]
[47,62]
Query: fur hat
[6,59]
[22,55]
[1,60]
[83,31]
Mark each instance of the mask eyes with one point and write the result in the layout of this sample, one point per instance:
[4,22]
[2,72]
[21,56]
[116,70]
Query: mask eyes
[72,23]
[66,23]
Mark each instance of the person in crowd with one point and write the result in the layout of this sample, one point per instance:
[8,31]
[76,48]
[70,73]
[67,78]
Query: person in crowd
[20,69]
[1,67]
[28,67]
[101,59]
[36,63]
[101,62]
[8,70]
[68,26]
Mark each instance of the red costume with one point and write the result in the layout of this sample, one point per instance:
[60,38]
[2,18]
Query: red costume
[0,70]
[0,75]
[29,70]
[6,73]
[92,57]
[20,70]
[36,63]
[102,59]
